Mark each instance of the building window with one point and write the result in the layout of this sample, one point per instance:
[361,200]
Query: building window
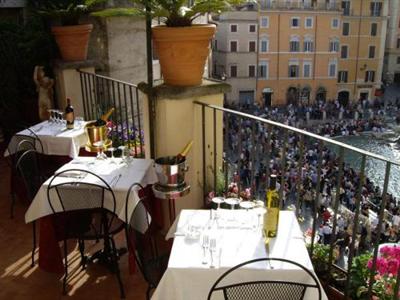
[233,71]
[264,45]
[346,8]
[234,28]
[346,29]
[369,76]
[335,23]
[344,51]
[342,76]
[252,28]
[295,22]
[215,45]
[308,23]
[293,71]
[398,43]
[264,22]
[263,70]
[294,46]
[374,29]
[376,8]
[332,69]
[308,46]
[252,46]
[233,46]
[371,52]
[307,70]
[334,46]
[398,60]
[252,71]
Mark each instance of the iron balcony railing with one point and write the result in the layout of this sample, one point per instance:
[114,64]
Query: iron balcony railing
[306,5]
[99,94]
[261,149]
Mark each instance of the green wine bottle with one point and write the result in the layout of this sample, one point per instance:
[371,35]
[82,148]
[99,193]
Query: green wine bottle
[271,217]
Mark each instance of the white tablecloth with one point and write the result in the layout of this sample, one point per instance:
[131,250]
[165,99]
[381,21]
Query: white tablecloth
[187,278]
[56,139]
[120,176]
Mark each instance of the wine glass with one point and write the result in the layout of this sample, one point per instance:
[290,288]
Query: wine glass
[51,115]
[112,150]
[123,154]
[246,205]
[259,210]
[100,154]
[232,202]
[79,122]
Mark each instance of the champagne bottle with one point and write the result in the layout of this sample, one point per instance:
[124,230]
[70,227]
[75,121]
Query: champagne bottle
[69,114]
[182,155]
[271,217]
[104,118]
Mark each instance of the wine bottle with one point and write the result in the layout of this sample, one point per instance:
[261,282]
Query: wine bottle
[69,114]
[104,118]
[271,217]
[182,155]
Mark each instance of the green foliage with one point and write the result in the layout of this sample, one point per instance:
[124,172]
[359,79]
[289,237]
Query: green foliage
[175,13]
[359,275]
[63,12]
[319,257]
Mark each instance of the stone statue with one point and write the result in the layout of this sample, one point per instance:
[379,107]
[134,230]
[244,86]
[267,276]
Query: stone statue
[44,87]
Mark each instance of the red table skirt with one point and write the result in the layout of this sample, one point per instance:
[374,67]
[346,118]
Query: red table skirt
[50,258]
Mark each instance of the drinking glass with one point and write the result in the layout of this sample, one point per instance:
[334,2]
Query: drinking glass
[112,150]
[51,115]
[232,202]
[79,122]
[100,154]
[213,252]
[246,205]
[123,153]
[259,211]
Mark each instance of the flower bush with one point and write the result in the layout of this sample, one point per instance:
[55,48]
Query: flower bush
[387,265]
[126,135]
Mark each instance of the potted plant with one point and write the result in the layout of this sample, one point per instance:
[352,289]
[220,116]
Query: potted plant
[65,16]
[182,46]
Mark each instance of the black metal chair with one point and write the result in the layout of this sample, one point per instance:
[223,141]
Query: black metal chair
[89,205]
[141,241]
[264,289]
[28,169]
[17,146]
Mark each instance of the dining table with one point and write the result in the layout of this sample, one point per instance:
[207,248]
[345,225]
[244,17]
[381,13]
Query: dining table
[55,138]
[118,173]
[238,238]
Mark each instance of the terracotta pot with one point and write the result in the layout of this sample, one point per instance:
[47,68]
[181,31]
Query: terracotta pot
[183,52]
[72,41]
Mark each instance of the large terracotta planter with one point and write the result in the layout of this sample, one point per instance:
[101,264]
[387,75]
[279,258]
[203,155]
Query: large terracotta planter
[72,41]
[182,52]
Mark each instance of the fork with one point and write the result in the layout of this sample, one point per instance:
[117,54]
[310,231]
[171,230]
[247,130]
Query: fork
[205,245]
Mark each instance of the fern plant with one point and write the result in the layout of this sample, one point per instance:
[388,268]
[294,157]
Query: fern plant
[174,13]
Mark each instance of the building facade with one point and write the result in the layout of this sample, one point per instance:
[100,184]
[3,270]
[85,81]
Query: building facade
[391,67]
[310,50]
[235,54]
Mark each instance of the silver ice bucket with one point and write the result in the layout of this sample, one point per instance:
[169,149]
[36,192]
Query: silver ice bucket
[169,173]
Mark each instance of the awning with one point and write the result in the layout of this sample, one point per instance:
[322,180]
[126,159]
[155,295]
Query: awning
[268,90]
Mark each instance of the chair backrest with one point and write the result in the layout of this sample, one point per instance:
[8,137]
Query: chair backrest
[264,289]
[81,190]
[28,168]
[137,228]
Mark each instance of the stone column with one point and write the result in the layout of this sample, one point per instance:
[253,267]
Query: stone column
[341,115]
[177,121]
[68,84]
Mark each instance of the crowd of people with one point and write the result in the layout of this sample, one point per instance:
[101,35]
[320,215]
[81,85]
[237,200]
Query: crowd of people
[246,152]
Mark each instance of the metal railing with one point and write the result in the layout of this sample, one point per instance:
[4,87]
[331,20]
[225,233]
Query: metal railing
[99,94]
[265,4]
[280,140]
